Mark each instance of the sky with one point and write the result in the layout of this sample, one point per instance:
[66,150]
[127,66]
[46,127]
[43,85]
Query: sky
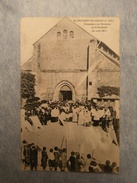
[105,29]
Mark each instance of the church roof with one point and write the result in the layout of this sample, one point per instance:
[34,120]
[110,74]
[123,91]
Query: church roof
[28,65]
[65,23]
[108,97]
[58,61]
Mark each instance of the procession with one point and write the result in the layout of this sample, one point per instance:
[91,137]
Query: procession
[70,99]
[82,115]
[79,113]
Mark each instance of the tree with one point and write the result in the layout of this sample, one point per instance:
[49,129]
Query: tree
[27,85]
[31,103]
[108,90]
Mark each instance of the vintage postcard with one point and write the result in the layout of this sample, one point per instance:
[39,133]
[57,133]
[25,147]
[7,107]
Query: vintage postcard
[70,94]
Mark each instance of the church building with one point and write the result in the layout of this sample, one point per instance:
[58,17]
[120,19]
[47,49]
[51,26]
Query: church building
[70,64]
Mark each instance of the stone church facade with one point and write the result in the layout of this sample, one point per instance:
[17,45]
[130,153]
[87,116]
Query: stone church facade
[70,64]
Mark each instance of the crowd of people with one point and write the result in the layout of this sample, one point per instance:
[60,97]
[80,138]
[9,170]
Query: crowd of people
[85,114]
[56,160]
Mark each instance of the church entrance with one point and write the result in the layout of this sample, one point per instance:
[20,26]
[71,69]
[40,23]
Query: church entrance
[65,93]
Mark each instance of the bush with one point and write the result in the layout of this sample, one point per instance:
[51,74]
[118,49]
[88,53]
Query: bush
[108,90]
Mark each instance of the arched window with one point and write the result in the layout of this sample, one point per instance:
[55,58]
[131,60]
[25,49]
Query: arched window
[71,34]
[58,34]
[93,41]
[65,34]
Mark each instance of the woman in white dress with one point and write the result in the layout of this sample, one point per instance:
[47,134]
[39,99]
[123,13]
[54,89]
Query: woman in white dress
[62,117]
[87,118]
[74,115]
[81,117]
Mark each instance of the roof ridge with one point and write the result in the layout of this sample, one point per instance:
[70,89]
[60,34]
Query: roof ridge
[27,61]
[49,30]
[70,21]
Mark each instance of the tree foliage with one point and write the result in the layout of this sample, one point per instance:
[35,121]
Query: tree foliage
[31,103]
[108,91]
[27,85]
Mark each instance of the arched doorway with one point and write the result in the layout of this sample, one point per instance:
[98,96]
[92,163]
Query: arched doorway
[64,91]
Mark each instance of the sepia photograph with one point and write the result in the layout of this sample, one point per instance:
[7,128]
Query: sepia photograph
[70,94]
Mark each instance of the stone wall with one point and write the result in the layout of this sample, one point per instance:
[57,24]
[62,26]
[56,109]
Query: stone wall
[48,81]
[68,53]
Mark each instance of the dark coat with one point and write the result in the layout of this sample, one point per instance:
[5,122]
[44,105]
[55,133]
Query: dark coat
[72,161]
[33,157]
